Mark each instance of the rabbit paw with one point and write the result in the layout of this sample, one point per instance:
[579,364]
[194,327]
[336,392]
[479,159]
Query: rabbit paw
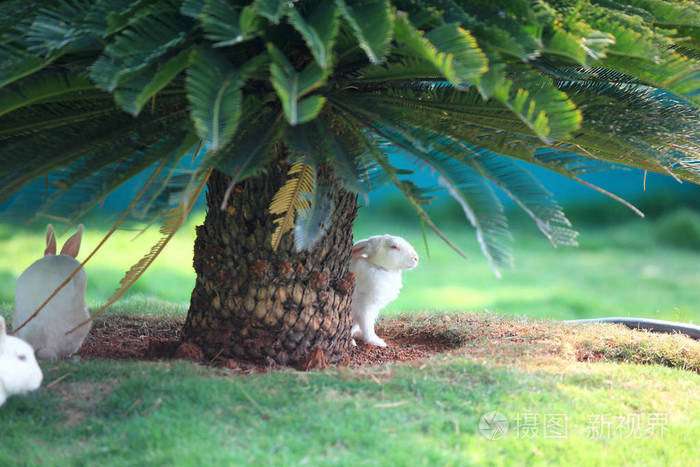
[376,340]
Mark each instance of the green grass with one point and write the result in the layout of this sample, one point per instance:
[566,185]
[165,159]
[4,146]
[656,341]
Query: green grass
[617,271]
[619,393]
[561,410]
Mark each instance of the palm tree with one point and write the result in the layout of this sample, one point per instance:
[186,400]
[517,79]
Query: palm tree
[292,109]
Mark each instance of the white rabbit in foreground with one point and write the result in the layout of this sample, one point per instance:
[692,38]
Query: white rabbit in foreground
[377,263]
[47,331]
[19,371]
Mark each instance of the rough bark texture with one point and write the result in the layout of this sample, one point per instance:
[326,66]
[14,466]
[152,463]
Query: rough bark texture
[276,306]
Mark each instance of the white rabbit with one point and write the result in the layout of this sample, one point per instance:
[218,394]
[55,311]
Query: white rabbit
[47,331]
[19,371]
[377,263]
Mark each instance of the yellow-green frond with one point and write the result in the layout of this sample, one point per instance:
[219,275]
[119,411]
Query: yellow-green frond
[288,199]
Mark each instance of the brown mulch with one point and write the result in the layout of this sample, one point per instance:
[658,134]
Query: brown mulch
[123,337]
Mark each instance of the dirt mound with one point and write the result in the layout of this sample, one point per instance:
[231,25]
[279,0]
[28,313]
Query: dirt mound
[122,337]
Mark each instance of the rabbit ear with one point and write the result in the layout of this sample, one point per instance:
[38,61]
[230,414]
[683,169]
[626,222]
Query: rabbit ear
[3,333]
[360,249]
[50,241]
[72,245]
[356,251]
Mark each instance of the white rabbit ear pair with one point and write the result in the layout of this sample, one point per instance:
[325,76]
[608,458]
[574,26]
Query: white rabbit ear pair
[70,248]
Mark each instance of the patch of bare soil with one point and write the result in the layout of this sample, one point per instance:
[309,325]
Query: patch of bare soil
[79,399]
[123,337]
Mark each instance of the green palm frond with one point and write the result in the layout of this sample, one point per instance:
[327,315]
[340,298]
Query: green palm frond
[214,92]
[272,10]
[135,91]
[41,87]
[292,86]
[170,178]
[670,13]
[403,70]
[92,93]
[524,189]
[347,161]
[312,222]
[62,28]
[137,47]
[17,61]
[415,196]
[449,48]
[484,212]
[223,23]
[372,24]
[75,190]
[251,147]
[318,30]
[469,188]
[99,128]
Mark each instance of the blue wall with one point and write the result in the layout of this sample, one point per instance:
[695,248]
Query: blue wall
[627,183]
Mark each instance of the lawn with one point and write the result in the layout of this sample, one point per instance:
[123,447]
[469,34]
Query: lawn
[560,408]
[588,395]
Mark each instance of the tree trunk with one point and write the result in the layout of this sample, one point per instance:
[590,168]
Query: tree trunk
[272,306]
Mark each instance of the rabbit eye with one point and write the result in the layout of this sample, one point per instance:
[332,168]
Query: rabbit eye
[22,358]
[394,247]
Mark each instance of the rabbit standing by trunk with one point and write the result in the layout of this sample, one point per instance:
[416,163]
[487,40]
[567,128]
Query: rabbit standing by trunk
[377,263]
[47,331]
[19,371]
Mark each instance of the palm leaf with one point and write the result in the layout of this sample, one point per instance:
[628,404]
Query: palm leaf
[172,223]
[75,190]
[403,70]
[291,86]
[251,147]
[449,48]
[478,201]
[318,30]
[157,199]
[60,28]
[18,62]
[524,189]
[223,23]
[372,23]
[312,222]
[30,157]
[134,92]
[214,92]
[289,199]
[135,48]
[273,10]
[40,87]
[346,157]
[408,189]
[675,72]
[533,98]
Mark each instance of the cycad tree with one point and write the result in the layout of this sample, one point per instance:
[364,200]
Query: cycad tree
[293,108]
